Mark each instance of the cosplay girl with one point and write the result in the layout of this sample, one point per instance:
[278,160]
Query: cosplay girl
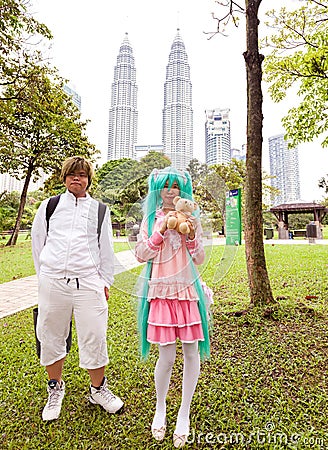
[172,304]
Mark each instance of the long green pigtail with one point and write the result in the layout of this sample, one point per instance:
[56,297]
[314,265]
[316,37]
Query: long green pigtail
[143,312]
[204,346]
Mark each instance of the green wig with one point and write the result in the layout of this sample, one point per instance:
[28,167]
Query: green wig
[156,183]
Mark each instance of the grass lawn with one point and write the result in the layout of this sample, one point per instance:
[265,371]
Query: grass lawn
[265,386]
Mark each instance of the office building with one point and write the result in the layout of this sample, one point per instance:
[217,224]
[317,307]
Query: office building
[239,154]
[284,168]
[177,112]
[10,184]
[217,137]
[76,98]
[123,114]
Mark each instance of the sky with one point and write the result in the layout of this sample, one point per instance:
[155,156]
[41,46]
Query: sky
[87,37]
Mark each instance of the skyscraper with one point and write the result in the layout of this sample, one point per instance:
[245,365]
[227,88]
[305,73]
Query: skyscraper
[177,112]
[123,114]
[75,96]
[217,136]
[284,169]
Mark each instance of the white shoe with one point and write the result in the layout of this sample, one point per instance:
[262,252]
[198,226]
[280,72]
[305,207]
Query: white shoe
[158,432]
[56,392]
[179,440]
[105,398]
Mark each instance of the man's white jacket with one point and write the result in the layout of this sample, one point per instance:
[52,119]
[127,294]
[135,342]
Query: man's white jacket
[71,249]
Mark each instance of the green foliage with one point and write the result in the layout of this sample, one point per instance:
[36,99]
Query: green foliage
[9,204]
[232,174]
[323,183]
[41,129]
[299,221]
[123,184]
[39,124]
[210,185]
[38,131]
[299,58]
[53,184]
[197,170]
[112,174]
[19,56]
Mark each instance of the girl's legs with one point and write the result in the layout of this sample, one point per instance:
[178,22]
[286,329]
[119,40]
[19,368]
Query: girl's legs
[163,372]
[191,370]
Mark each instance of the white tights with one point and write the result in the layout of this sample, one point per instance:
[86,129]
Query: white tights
[163,370]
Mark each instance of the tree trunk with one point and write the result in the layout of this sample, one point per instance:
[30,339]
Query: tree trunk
[14,236]
[259,284]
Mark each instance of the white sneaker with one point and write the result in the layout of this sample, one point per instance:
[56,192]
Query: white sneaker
[56,394]
[105,398]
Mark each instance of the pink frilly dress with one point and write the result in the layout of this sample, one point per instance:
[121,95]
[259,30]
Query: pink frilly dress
[173,311]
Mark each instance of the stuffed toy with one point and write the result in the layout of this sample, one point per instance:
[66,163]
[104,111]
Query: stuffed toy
[183,210]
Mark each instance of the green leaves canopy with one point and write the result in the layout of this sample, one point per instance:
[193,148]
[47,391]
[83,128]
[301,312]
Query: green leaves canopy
[41,129]
[123,184]
[300,58]
[18,54]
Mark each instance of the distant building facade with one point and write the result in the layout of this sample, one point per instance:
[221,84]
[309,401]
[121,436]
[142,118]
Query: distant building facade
[75,96]
[284,168]
[10,184]
[123,114]
[239,154]
[177,112]
[217,137]
[142,150]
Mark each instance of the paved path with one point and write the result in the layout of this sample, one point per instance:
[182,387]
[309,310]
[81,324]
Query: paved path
[20,294]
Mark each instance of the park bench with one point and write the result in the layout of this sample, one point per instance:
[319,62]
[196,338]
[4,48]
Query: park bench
[299,233]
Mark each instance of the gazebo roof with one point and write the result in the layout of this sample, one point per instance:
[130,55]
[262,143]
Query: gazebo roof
[300,207]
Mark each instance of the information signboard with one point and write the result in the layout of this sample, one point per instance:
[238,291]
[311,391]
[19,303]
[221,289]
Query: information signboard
[233,217]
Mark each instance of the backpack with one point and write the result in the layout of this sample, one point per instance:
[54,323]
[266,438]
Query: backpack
[53,202]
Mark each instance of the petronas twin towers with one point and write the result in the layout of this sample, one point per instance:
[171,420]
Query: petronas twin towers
[177,127]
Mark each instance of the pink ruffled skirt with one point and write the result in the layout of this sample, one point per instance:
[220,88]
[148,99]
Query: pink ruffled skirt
[170,320]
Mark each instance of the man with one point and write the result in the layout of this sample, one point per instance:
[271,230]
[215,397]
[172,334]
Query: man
[75,268]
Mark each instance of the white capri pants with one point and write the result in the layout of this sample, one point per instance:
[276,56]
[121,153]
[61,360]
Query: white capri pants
[58,301]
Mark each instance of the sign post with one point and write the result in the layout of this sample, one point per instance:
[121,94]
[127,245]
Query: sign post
[233,217]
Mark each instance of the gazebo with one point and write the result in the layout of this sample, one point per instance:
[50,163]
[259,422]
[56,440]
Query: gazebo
[282,212]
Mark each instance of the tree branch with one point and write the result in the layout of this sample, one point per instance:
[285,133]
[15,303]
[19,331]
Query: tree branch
[233,10]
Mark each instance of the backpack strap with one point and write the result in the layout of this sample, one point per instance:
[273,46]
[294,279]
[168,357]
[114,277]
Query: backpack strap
[51,206]
[53,202]
[101,215]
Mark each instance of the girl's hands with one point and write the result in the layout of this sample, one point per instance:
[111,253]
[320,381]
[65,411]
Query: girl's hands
[192,221]
[191,234]
[163,227]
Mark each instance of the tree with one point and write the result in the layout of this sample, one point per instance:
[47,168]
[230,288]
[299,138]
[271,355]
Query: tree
[197,170]
[299,58]
[323,183]
[9,204]
[259,284]
[112,174]
[19,56]
[123,183]
[38,131]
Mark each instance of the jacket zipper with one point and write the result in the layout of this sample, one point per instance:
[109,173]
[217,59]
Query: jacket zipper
[70,239]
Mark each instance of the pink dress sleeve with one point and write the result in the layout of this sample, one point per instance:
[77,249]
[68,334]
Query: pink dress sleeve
[148,247]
